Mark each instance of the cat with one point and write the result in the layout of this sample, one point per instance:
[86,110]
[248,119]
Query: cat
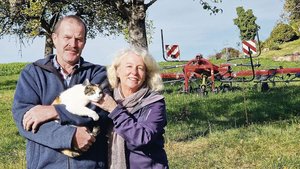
[75,99]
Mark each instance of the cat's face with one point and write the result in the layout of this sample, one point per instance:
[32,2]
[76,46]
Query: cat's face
[94,92]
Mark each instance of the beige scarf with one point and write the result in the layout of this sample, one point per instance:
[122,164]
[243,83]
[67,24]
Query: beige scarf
[117,159]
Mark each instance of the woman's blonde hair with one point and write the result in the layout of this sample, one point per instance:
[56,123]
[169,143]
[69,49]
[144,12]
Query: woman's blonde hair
[153,78]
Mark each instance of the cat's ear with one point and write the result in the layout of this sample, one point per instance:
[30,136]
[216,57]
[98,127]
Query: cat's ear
[86,82]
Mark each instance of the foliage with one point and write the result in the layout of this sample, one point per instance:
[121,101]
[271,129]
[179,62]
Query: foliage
[227,53]
[284,49]
[270,44]
[149,32]
[283,33]
[296,26]
[246,23]
[218,55]
[11,68]
[292,8]
[37,18]
[292,11]
[231,52]
[209,7]
[32,18]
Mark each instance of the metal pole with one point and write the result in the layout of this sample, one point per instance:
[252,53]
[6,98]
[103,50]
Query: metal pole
[163,45]
[258,44]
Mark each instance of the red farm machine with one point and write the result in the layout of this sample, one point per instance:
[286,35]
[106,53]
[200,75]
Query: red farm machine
[209,74]
[210,77]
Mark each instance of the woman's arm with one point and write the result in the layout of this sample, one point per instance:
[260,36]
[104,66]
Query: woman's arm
[143,130]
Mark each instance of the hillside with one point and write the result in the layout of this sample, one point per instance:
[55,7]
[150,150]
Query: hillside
[285,49]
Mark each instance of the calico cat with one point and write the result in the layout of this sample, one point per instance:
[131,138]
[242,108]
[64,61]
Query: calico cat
[76,98]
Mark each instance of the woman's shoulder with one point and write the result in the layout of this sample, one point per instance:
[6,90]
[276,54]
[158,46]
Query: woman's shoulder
[152,97]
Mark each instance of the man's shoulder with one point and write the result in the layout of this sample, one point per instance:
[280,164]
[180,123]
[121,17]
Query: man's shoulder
[95,67]
[44,63]
[90,64]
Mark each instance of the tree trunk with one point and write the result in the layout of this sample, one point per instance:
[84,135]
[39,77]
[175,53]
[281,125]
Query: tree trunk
[48,46]
[137,26]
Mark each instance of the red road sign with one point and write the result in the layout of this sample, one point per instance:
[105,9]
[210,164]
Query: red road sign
[249,44]
[173,51]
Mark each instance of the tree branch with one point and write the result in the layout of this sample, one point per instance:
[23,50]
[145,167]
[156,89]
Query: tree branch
[149,4]
[122,7]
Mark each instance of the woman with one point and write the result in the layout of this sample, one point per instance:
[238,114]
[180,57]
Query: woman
[137,110]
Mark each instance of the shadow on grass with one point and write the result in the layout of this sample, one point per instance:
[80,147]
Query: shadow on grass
[8,85]
[204,115]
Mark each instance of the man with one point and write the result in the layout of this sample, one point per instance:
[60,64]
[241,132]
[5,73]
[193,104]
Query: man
[39,84]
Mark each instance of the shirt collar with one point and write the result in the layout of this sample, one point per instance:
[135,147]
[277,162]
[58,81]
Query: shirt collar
[58,67]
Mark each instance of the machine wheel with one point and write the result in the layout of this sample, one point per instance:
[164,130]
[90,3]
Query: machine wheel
[265,87]
[225,88]
[202,90]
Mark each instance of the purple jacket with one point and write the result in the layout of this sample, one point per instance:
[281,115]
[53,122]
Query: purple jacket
[143,134]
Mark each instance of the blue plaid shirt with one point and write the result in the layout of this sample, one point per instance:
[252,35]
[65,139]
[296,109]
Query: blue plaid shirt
[66,77]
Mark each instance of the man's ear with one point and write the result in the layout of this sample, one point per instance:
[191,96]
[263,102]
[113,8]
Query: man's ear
[54,38]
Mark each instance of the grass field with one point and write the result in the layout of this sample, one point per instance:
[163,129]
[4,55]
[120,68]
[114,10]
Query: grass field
[12,145]
[242,129]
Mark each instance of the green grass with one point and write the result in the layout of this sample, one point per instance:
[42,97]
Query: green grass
[191,115]
[271,145]
[242,129]
[12,147]
[286,48]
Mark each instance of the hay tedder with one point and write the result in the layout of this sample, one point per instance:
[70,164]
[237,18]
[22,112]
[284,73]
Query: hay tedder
[202,76]
[207,74]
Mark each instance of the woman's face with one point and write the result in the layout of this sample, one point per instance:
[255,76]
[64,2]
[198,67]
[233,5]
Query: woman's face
[132,73]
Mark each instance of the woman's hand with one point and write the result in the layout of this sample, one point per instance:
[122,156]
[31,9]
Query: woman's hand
[38,115]
[106,103]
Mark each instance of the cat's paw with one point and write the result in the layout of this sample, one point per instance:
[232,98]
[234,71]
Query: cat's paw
[96,131]
[70,153]
[95,116]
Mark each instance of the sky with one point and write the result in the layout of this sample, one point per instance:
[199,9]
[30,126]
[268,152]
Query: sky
[184,23]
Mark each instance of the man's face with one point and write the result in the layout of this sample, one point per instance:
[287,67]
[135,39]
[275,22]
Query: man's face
[69,41]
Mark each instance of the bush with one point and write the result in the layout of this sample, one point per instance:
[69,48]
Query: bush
[219,56]
[270,44]
[8,69]
[283,33]
[296,26]
[233,53]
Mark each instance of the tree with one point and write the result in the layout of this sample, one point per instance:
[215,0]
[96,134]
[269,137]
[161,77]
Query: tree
[292,14]
[230,52]
[32,18]
[292,8]
[246,23]
[283,33]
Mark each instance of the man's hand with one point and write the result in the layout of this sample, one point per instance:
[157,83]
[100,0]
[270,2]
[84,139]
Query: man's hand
[83,139]
[38,115]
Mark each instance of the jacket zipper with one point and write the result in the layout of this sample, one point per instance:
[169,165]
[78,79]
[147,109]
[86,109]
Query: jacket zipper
[68,163]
